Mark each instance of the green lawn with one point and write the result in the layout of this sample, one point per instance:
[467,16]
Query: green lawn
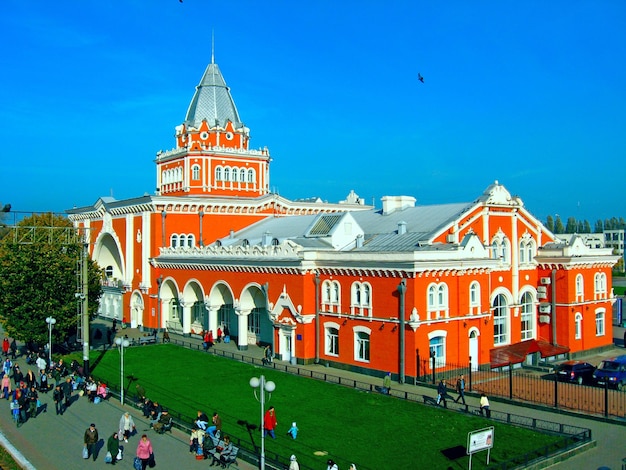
[368,429]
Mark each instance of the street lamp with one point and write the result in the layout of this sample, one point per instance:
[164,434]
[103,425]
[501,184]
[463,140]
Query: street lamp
[263,386]
[159,283]
[122,343]
[50,321]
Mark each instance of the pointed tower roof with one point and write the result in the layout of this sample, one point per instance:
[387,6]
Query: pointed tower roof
[212,101]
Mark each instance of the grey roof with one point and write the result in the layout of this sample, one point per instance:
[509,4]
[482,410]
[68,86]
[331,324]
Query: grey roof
[212,101]
[381,230]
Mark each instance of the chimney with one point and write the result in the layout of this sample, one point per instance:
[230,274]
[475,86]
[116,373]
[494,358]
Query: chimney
[394,203]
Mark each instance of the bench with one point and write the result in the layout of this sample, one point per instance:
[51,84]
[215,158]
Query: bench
[144,340]
[232,459]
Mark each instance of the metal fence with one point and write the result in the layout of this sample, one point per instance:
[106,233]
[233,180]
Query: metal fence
[490,382]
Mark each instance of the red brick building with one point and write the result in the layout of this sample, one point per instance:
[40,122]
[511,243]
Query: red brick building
[348,284]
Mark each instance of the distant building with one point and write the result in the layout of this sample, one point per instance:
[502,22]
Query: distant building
[480,282]
[615,239]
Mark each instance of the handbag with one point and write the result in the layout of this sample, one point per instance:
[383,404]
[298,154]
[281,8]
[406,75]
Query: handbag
[108,458]
[119,455]
[85,452]
[151,461]
[137,463]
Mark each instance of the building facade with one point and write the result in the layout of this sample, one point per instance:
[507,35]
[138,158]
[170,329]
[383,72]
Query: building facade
[481,282]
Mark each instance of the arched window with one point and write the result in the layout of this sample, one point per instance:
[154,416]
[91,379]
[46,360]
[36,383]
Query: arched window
[474,298]
[242,175]
[326,292]
[500,320]
[580,288]
[174,240]
[226,174]
[183,240]
[362,344]
[578,326]
[191,240]
[527,313]
[600,322]
[251,176]
[195,172]
[437,347]
[361,301]
[438,300]
[218,173]
[332,341]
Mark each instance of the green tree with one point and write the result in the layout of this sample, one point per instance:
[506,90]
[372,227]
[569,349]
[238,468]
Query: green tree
[38,279]
[4,210]
[571,225]
[550,223]
[599,228]
[586,227]
[558,225]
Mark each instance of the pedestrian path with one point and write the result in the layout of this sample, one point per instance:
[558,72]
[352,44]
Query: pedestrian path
[51,442]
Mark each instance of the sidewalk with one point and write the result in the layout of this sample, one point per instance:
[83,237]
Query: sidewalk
[51,442]
[55,442]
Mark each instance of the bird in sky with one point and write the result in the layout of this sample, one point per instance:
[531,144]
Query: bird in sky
[419,77]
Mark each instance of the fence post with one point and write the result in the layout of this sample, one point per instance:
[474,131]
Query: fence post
[510,382]
[606,397]
[469,374]
[417,365]
[556,389]
[432,357]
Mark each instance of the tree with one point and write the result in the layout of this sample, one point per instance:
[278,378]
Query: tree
[571,225]
[558,225]
[38,279]
[586,227]
[4,210]
[550,223]
[599,228]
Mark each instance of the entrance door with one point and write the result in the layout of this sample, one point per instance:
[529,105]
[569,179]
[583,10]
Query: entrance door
[286,348]
[473,349]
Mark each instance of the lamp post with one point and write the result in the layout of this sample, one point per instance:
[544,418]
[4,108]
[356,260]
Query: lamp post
[159,283]
[50,321]
[263,386]
[122,343]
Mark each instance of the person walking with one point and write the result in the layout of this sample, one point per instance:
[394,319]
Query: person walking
[460,388]
[387,383]
[331,465]
[442,393]
[293,463]
[13,349]
[270,422]
[144,451]
[126,427]
[484,405]
[91,440]
[5,346]
[57,397]
[67,392]
[6,386]
[113,447]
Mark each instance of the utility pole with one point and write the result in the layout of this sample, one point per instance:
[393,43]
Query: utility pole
[84,267]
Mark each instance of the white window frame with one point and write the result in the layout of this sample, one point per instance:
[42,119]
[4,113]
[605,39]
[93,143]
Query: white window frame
[527,316]
[331,340]
[437,301]
[362,346]
[578,326]
[501,315]
[580,288]
[600,322]
[440,338]
[474,300]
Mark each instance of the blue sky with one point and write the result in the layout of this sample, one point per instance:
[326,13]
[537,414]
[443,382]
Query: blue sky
[532,94]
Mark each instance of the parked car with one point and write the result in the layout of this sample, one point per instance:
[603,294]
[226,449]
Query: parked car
[612,372]
[575,371]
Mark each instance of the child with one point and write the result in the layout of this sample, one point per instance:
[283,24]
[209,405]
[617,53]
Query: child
[293,431]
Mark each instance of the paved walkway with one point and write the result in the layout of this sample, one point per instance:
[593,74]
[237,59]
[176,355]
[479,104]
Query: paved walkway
[55,442]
